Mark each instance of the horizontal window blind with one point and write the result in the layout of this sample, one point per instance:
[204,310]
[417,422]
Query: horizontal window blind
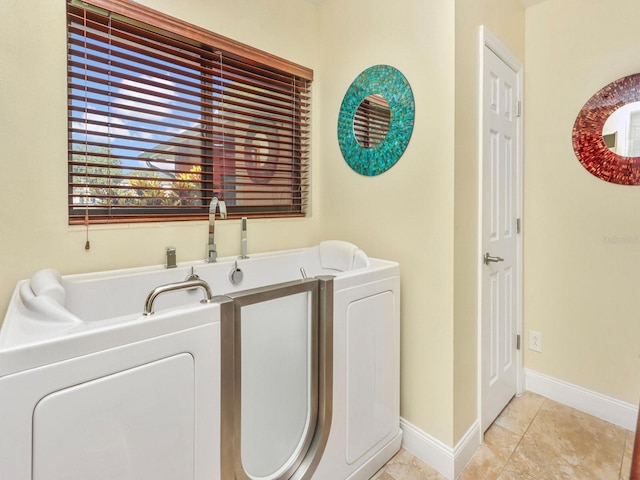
[161,122]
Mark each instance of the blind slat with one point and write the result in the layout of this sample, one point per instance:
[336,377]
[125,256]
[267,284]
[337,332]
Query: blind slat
[176,28]
[160,122]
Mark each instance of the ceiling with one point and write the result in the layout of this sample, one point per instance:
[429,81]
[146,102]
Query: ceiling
[526,3]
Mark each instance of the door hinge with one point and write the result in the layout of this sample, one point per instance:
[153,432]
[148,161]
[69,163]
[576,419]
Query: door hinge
[518,225]
[519,108]
[518,342]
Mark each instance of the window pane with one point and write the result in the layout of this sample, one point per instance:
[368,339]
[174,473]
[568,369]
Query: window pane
[158,125]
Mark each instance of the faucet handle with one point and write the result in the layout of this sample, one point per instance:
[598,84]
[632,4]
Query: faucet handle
[192,276]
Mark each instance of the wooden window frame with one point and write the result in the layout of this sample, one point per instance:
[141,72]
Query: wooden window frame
[253,123]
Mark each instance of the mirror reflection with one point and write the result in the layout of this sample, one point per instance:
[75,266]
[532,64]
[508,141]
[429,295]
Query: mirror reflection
[621,131]
[371,121]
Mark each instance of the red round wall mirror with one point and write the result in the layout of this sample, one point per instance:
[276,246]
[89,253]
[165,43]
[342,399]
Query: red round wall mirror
[606,133]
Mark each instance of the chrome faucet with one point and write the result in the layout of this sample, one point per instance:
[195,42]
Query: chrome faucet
[212,253]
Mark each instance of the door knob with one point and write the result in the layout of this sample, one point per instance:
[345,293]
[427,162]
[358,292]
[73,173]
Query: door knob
[489,259]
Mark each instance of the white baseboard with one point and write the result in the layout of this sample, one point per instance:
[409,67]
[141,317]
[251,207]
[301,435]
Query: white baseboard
[446,460]
[466,447]
[451,461]
[606,408]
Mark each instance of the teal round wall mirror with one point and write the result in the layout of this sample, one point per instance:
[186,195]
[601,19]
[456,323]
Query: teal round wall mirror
[376,120]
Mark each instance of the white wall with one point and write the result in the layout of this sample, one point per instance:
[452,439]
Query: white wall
[581,234]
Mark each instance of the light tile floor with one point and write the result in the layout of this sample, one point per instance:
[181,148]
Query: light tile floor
[535,438]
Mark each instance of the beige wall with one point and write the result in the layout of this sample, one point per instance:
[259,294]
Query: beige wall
[581,234]
[33,169]
[406,213]
[505,20]
[580,284]
[422,212]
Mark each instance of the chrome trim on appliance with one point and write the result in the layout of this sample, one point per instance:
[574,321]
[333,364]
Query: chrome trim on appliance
[321,371]
[172,287]
[227,388]
[325,380]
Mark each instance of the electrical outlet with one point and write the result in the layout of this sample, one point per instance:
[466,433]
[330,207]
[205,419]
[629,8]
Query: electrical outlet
[535,341]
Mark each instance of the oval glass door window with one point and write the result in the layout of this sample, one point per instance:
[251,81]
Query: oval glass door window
[277,416]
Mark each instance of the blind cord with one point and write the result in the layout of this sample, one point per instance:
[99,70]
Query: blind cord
[87,244]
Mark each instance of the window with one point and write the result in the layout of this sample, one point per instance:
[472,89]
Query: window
[163,116]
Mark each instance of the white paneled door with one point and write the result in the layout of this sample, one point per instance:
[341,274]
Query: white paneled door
[500,245]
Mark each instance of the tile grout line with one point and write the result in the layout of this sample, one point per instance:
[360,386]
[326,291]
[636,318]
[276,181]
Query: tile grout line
[520,441]
[624,453]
